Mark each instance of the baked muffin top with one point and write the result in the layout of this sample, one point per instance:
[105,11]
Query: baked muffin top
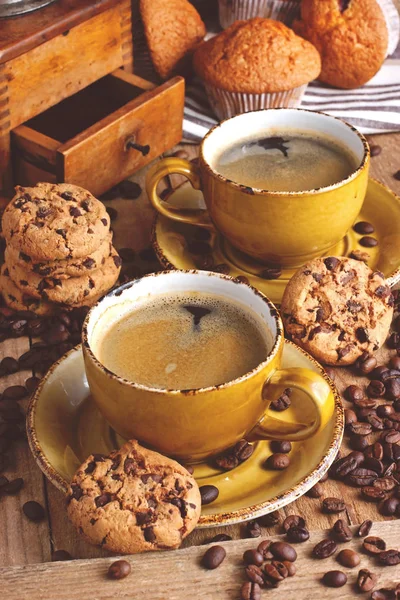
[351,36]
[257,56]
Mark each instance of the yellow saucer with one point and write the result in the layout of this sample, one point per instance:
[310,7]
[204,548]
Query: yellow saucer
[64,427]
[171,241]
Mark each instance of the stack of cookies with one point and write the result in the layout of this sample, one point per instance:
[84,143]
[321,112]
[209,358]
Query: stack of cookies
[59,250]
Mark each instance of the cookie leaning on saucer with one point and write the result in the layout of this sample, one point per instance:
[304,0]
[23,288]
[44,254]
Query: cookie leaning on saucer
[336,309]
[55,222]
[133,500]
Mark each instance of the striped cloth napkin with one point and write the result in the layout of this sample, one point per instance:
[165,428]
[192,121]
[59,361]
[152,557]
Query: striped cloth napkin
[373,108]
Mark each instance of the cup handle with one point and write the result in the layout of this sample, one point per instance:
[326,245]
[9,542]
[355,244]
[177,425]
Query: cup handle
[317,389]
[165,167]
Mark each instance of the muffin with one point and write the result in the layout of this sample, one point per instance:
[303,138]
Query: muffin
[255,64]
[392,19]
[351,36]
[172,29]
[236,10]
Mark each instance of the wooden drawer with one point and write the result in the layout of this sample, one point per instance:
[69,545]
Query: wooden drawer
[86,138]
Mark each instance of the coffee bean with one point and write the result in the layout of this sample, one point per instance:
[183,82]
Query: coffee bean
[365,413]
[393,341]
[298,535]
[376,388]
[254,574]
[394,362]
[341,531]
[227,461]
[385,484]
[13,486]
[375,149]
[119,569]
[384,410]
[374,464]
[333,505]
[253,557]
[277,462]
[208,494]
[366,363]
[361,477]
[33,511]
[388,507]
[31,384]
[334,579]
[363,228]
[393,388]
[252,529]
[283,402]
[222,268]
[374,451]
[281,447]
[366,581]
[391,451]
[383,594]
[293,521]
[316,491]
[348,558]
[391,436]
[389,558]
[368,242]
[374,545]
[358,442]
[264,549]
[353,392]
[4,462]
[291,568]
[220,537]
[213,557]
[271,272]
[270,519]
[250,591]
[60,555]
[324,549]
[275,571]
[129,189]
[360,428]
[8,366]
[283,551]
[15,392]
[378,372]
[243,450]
[373,494]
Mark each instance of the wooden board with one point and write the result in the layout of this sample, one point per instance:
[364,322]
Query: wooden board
[179,575]
[24,543]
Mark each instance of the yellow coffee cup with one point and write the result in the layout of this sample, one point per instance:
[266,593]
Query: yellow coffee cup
[194,424]
[285,228]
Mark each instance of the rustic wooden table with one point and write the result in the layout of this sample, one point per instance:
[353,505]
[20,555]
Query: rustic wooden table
[25,543]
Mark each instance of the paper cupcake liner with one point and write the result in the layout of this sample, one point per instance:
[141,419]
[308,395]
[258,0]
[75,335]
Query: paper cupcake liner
[228,104]
[392,19]
[236,10]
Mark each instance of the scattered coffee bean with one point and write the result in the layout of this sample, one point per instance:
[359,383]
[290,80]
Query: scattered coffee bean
[386,484]
[213,557]
[220,537]
[333,505]
[360,428]
[31,384]
[264,549]
[254,574]
[373,494]
[394,362]
[364,528]
[348,558]
[8,366]
[60,555]
[375,149]
[33,511]
[15,392]
[334,579]
[389,558]
[13,486]
[358,442]
[222,268]
[388,507]
[230,459]
[253,557]
[361,477]
[374,545]
[291,568]
[341,531]
[324,549]
[277,462]
[368,242]
[298,535]
[376,388]
[275,571]
[271,272]
[366,581]
[208,494]
[129,189]
[363,228]
[112,213]
[366,363]
[250,591]
[119,569]
[4,462]
[350,416]
[397,175]
[283,447]
[283,402]
[283,551]
[385,410]
[293,521]
[383,594]
[316,491]
[252,529]
[353,392]
[393,341]
[270,519]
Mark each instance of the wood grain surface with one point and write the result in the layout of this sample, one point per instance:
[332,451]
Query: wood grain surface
[23,542]
[178,575]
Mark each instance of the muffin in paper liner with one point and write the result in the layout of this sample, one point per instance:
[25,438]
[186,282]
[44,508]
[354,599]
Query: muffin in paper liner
[279,10]
[228,104]
[392,19]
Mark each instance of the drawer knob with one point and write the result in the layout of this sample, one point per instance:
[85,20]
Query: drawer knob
[143,149]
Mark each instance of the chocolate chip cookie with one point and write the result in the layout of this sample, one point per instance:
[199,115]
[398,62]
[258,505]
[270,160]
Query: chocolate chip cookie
[17,300]
[55,222]
[73,291]
[63,269]
[133,500]
[337,308]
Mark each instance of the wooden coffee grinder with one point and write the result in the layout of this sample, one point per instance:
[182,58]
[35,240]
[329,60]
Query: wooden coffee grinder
[71,108]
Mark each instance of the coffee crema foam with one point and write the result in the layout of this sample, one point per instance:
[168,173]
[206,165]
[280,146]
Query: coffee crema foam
[181,341]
